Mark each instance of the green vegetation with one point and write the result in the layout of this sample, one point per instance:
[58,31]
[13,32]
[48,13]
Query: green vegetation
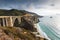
[15,12]
[12,12]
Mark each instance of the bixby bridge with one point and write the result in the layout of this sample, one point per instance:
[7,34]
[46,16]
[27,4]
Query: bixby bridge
[10,20]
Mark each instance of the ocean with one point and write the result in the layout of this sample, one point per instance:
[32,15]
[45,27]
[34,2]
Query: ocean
[49,27]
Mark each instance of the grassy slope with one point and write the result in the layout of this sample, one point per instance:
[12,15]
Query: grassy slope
[17,33]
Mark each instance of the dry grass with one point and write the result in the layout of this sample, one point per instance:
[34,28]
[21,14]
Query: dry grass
[13,31]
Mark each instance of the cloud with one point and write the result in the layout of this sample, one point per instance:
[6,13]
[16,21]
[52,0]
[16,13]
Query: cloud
[19,3]
[40,7]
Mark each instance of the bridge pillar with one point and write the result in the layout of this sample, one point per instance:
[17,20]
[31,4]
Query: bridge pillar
[0,22]
[11,22]
[6,21]
[3,22]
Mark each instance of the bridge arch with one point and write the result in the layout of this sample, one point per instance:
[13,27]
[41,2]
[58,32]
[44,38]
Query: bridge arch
[16,22]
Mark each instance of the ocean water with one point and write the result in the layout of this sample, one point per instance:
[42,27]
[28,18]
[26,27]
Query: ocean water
[50,27]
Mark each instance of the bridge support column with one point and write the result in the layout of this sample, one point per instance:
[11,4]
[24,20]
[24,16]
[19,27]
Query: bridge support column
[0,22]
[11,23]
[3,22]
[6,22]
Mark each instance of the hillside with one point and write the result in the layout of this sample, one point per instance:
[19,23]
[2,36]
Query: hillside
[13,12]
[20,31]
[16,33]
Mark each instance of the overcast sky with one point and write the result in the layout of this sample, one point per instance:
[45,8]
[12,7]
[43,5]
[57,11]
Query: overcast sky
[41,7]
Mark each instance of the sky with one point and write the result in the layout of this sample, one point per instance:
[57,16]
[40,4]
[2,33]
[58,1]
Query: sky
[41,7]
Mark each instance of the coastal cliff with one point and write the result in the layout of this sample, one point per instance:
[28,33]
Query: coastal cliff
[21,31]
